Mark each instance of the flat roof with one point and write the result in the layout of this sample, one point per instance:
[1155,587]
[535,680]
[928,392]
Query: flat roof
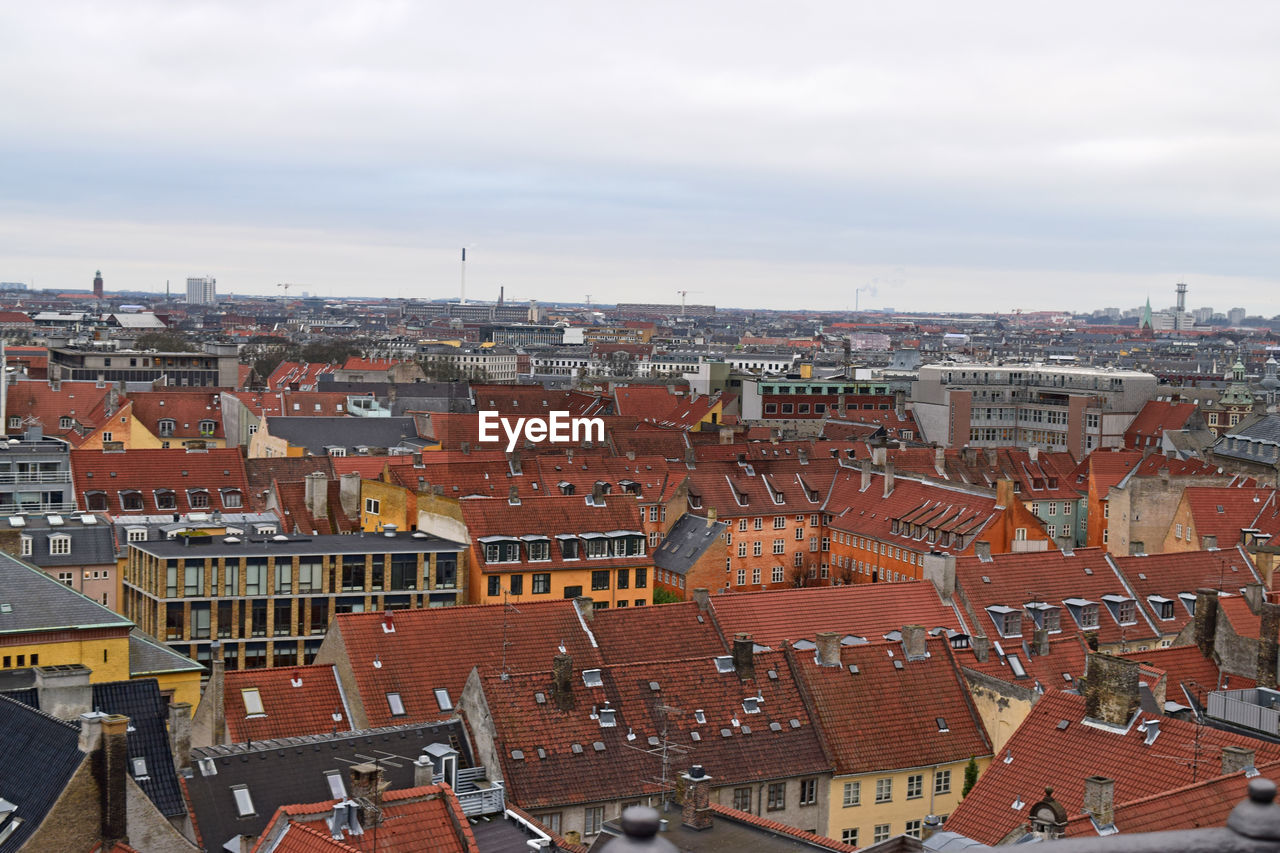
[264,546]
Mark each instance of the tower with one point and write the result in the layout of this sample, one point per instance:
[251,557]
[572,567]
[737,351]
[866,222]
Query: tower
[1182,297]
[97,285]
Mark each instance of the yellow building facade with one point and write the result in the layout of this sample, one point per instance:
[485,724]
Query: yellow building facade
[870,807]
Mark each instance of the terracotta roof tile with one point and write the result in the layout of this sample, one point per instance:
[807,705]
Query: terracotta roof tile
[1154,577]
[1225,511]
[296,700]
[663,632]
[1155,417]
[83,403]
[218,472]
[809,838]
[1185,664]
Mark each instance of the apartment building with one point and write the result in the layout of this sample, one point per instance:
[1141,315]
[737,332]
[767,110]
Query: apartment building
[1055,407]
[268,599]
[216,365]
[35,474]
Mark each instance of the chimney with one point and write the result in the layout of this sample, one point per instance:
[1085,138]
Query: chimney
[866,475]
[879,455]
[1254,595]
[900,403]
[1004,493]
[423,772]
[983,550]
[366,788]
[1210,543]
[828,652]
[513,495]
[726,435]
[914,642]
[1206,620]
[562,681]
[1040,642]
[970,456]
[214,692]
[711,516]
[586,607]
[513,460]
[689,457]
[981,647]
[349,491]
[802,455]
[1236,758]
[940,570]
[64,691]
[1033,453]
[180,734]
[597,494]
[317,494]
[110,765]
[695,811]
[1110,688]
[744,662]
[703,597]
[940,459]
[1100,799]
[992,457]
[888,478]
[389,530]
[1137,548]
[1267,645]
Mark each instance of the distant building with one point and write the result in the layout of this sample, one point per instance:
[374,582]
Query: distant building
[216,365]
[97,285]
[645,309]
[202,291]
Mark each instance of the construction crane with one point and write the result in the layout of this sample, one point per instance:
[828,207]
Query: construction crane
[683,294]
[286,287]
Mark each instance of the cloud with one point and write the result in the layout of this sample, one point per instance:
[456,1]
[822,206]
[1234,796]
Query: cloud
[1134,140]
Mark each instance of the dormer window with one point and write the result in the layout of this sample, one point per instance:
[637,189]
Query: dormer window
[232,498]
[1085,612]
[500,549]
[565,488]
[1046,616]
[166,427]
[65,422]
[131,501]
[60,543]
[1007,621]
[165,499]
[570,548]
[608,718]
[95,501]
[539,551]
[1124,609]
[198,498]
[1188,600]
[207,427]
[1162,606]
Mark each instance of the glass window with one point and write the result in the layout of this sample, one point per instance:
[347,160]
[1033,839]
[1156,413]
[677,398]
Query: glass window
[244,802]
[942,782]
[742,799]
[808,792]
[777,796]
[849,836]
[600,579]
[884,790]
[284,576]
[915,786]
[446,570]
[881,833]
[592,820]
[852,794]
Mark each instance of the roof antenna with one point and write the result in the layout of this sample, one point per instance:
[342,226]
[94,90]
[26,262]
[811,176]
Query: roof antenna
[505,676]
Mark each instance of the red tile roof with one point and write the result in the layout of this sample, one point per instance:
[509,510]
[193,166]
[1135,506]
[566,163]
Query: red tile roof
[772,826]
[291,506]
[657,404]
[1243,620]
[84,403]
[1169,575]
[663,632]
[299,375]
[1185,664]
[295,403]
[768,487]
[297,700]
[219,472]
[1013,580]
[490,637]
[1225,511]
[1157,416]
[517,400]
[377,364]
[1058,670]
[427,818]
[884,717]
[187,408]
[865,610]
[1044,754]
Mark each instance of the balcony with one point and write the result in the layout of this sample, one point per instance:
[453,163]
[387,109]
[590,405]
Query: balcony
[478,794]
[10,477]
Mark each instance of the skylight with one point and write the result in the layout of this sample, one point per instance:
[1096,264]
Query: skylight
[396,704]
[608,718]
[244,802]
[443,700]
[751,705]
[592,678]
[252,702]
[700,716]
[139,768]
[724,663]
[336,789]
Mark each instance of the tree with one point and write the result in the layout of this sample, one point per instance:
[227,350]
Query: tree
[797,575]
[164,342]
[664,596]
[970,777]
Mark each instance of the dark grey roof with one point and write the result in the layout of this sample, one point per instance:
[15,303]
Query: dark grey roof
[91,543]
[142,703]
[31,600]
[292,770]
[49,749]
[282,544]
[689,539]
[148,656]
[1266,428]
[319,434]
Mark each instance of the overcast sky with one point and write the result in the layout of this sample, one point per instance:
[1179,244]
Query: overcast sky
[938,155]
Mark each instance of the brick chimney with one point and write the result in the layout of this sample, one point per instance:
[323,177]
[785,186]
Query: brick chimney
[586,606]
[940,459]
[983,550]
[109,763]
[1236,758]
[367,786]
[695,811]
[1100,799]
[703,597]
[888,478]
[1210,543]
[828,652]
[1206,620]
[878,455]
[1268,647]
[981,645]
[711,516]
[349,492]
[1110,688]
[1004,493]
[597,494]
[940,570]
[562,681]
[1040,642]
[180,734]
[744,660]
[866,475]
[64,691]
[1254,594]
[914,642]
[317,494]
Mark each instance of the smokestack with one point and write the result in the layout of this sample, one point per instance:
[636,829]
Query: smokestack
[888,478]
[914,642]
[1182,297]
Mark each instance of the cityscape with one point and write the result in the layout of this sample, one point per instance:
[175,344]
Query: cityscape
[589,428]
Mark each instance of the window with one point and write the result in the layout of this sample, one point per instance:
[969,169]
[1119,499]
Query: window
[244,802]
[849,836]
[779,546]
[166,427]
[59,544]
[67,577]
[776,575]
[779,522]
[942,782]
[165,499]
[551,821]
[852,794]
[592,820]
[232,499]
[372,506]
[199,499]
[757,548]
[742,549]
[600,579]
[642,578]
[808,792]
[800,534]
[252,702]
[65,422]
[337,790]
[515,584]
[206,427]
[495,585]
[755,575]
[758,524]
[915,786]
[742,799]
[880,833]
[913,826]
[26,546]
[541,583]
[742,524]
[742,577]
[884,790]
[396,704]
[443,700]
[777,796]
